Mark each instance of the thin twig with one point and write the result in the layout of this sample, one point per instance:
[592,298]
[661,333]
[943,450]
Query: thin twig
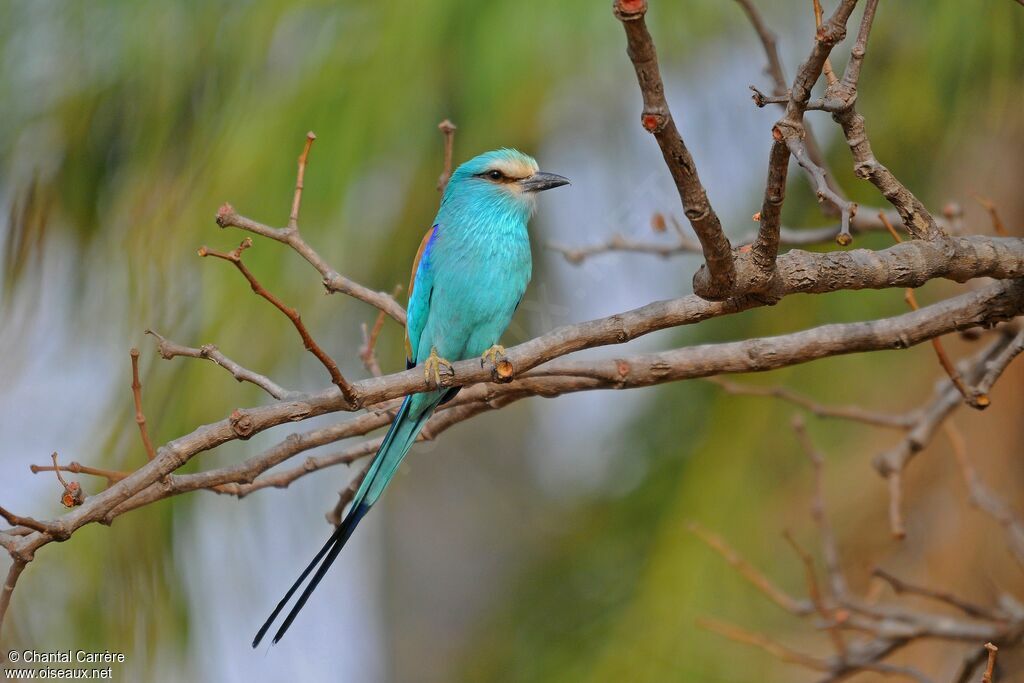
[862,221]
[8,590]
[300,176]
[847,209]
[753,576]
[997,223]
[235,257]
[897,526]
[842,97]
[990,667]
[112,476]
[968,608]
[940,350]
[766,247]
[945,399]
[617,242]
[140,417]
[828,616]
[168,350]
[780,87]
[772,647]
[367,353]
[333,281]
[994,369]
[984,499]
[447,129]
[73,494]
[854,413]
[27,522]
[829,547]
[346,495]
[826,69]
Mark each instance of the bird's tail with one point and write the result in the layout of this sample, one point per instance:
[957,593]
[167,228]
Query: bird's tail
[408,423]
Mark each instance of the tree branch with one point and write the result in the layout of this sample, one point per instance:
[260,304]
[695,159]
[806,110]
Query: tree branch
[766,247]
[842,98]
[333,281]
[235,257]
[140,417]
[657,120]
[447,129]
[855,413]
[10,582]
[780,87]
[891,463]
[168,350]
[986,500]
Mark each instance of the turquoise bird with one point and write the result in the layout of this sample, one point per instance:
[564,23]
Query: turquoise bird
[468,277]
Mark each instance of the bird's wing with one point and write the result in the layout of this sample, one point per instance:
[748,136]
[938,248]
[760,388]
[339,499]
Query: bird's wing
[421,286]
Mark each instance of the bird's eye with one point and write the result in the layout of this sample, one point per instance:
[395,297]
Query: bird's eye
[495,175]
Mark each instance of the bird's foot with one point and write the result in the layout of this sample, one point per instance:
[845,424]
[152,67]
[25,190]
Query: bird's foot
[501,366]
[495,354]
[433,365]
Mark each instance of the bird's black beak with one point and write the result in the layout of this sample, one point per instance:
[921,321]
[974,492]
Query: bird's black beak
[541,181]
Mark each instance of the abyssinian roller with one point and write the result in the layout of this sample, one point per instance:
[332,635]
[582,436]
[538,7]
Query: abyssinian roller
[469,276]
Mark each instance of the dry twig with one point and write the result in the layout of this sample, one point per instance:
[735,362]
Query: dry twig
[447,129]
[235,257]
[140,417]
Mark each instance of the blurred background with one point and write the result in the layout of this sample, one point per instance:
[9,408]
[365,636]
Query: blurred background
[544,542]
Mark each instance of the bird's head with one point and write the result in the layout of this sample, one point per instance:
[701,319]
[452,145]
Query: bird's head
[504,178]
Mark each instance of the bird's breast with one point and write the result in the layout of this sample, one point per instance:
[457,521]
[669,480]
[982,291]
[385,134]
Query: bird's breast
[479,279]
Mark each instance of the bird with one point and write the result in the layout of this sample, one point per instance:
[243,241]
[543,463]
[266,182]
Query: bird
[468,277]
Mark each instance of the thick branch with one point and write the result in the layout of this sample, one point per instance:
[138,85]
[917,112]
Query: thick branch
[909,264]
